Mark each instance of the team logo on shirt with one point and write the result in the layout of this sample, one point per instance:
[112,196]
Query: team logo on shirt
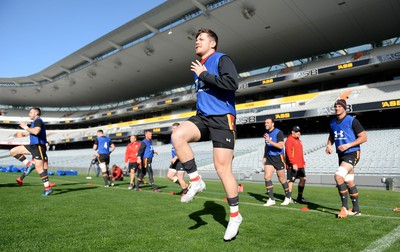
[339,135]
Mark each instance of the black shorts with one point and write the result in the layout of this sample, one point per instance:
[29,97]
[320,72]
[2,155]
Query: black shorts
[134,166]
[276,161]
[219,129]
[177,165]
[119,179]
[146,162]
[292,175]
[104,158]
[351,158]
[37,151]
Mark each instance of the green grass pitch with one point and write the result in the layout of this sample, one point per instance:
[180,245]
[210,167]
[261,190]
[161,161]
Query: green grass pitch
[82,215]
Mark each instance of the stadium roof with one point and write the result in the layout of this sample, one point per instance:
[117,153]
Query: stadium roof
[152,53]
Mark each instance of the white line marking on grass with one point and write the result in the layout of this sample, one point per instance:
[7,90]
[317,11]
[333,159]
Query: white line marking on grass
[297,209]
[384,242]
[97,184]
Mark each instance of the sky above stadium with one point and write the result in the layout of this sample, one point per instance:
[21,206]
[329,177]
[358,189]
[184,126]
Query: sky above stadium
[35,34]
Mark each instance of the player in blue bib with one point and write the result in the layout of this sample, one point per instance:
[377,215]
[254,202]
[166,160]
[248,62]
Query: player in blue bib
[347,134]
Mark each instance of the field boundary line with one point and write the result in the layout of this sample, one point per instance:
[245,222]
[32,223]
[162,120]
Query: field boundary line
[247,203]
[384,242]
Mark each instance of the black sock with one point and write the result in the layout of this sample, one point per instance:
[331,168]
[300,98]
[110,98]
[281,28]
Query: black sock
[190,166]
[105,177]
[342,188]
[354,198]
[286,189]
[23,175]
[270,189]
[300,192]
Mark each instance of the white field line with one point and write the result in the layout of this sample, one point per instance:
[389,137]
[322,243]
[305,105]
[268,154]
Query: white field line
[384,242]
[198,196]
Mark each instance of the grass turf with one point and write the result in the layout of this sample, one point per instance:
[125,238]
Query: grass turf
[82,215]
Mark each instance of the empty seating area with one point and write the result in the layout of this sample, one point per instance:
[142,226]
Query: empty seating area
[379,157]
[375,92]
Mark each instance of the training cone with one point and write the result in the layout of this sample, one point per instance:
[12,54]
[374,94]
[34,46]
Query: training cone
[304,209]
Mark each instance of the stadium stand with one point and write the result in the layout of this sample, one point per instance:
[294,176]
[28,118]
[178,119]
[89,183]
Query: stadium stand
[379,157]
[360,94]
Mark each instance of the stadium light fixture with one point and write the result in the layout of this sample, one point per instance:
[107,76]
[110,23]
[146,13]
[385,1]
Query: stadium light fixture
[191,35]
[248,13]
[117,63]
[72,82]
[148,51]
[91,73]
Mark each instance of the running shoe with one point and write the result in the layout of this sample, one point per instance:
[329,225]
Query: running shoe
[19,181]
[353,213]
[194,188]
[286,201]
[301,201]
[233,228]
[343,213]
[47,192]
[270,202]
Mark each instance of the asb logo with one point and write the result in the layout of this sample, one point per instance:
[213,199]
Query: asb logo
[345,66]
[282,115]
[267,81]
[389,104]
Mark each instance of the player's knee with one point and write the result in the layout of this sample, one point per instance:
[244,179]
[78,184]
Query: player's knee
[349,178]
[177,136]
[170,177]
[13,152]
[341,172]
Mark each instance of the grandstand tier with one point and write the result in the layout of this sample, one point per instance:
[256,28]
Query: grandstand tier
[379,158]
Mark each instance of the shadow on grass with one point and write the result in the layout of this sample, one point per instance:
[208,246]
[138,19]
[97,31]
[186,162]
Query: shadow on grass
[210,208]
[10,185]
[68,190]
[149,187]
[71,183]
[38,184]
[264,197]
[310,205]
[321,208]
[258,196]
